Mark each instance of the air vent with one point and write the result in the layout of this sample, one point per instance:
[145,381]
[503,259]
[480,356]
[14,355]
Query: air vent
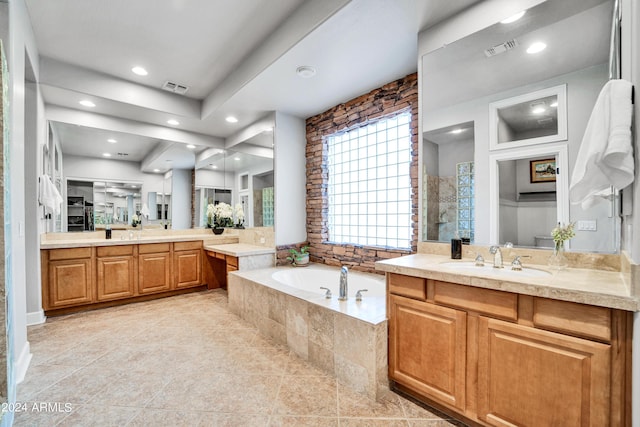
[501,48]
[175,87]
[123,154]
[546,121]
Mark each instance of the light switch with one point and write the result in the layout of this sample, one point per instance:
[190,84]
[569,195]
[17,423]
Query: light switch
[587,225]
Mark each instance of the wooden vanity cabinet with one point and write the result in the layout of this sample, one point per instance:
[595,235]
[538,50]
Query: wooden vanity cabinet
[217,266]
[187,262]
[68,273]
[154,268]
[498,358]
[428,351]
[115,272]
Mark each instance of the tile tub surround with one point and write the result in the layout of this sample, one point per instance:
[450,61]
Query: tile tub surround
[586,286]
[346,339]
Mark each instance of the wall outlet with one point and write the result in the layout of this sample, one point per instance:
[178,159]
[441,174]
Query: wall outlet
[587,225]
[262,240]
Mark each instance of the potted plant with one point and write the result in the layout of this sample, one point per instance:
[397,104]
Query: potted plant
[135,220]
[219,216]
[299,258]
[238,212]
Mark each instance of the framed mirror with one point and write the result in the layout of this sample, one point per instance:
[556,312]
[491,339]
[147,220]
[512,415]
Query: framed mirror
[531,118]
[491,70]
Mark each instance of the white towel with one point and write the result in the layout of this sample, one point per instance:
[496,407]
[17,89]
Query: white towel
[48,195]
[605,157]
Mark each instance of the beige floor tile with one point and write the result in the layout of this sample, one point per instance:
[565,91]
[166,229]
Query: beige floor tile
[223,392]
[34,416]
[296,421]
[373,422]
[99,415]
[352,404]
[40,377]
[188,361]
[307,395]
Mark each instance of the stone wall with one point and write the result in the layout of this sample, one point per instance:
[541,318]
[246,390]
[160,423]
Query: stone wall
[391,98]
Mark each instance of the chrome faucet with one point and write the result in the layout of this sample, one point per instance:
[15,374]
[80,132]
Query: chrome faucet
[343,284]
[497,256]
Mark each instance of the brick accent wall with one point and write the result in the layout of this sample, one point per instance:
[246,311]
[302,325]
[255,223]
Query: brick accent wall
[391,98]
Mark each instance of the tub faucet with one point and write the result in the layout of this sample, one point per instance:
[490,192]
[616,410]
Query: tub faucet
[343,284]
[497,256]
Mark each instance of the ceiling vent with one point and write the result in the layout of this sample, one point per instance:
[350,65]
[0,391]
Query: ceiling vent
[175,88]
[123,154]
[501,48]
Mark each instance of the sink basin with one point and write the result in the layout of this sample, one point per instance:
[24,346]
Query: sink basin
[470,267]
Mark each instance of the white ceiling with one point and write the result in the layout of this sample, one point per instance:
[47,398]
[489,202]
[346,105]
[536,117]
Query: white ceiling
[237,57]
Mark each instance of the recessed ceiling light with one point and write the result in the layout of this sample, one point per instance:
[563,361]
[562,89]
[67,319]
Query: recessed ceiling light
[236,158]
[139,71]
[173,122]
[106,154]
[538,110]
[191,146]
[156,170]
[231,119]
[305,71]
[111,140]
[553,104]
[457,131]
[214,167]
[87,103]
[536,47]
[513,18]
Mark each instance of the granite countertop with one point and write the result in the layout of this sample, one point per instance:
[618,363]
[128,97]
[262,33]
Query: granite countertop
[586,286]
[239,249]
[117,240]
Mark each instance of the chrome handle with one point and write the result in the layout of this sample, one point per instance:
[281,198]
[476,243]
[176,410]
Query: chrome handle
[359,294]
[327,295]
[479,261]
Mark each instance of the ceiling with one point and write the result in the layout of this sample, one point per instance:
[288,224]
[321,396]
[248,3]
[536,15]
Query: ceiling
[237,58]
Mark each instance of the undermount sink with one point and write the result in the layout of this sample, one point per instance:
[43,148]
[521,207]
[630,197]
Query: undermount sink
[470,266]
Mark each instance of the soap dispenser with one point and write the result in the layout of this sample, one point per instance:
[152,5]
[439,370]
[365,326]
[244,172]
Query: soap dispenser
[456,247]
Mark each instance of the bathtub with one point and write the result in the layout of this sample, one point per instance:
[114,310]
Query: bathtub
[311,278]
[347,339]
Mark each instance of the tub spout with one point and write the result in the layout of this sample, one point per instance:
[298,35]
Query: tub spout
[344,287]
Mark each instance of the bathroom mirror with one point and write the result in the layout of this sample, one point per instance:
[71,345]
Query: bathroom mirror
[533,118]
[461,80]
[243,173]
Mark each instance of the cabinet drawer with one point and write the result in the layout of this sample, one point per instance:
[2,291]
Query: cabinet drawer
[153,248]
[185,246]
[412,287]
[503,305]
[71,253]
[104,251]
[232,261]
[569,317]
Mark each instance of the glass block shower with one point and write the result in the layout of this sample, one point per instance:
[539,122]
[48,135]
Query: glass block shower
[465,195]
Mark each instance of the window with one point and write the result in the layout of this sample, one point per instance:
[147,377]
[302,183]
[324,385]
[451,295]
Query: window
[369,184]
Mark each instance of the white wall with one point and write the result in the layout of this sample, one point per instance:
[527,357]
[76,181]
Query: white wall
[181,199]
[290,180]
[20,46]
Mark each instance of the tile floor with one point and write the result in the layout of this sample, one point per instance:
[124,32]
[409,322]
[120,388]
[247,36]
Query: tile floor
[186,361]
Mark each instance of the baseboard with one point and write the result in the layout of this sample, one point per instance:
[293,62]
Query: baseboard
[36,318]
[22,364]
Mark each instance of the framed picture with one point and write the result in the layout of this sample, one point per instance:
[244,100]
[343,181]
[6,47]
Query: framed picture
[543,170]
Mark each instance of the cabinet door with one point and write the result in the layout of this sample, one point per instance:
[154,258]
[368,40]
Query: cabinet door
[427,349]
[187,268]
[154,273]
[70,282]
[115,277]
[529,377]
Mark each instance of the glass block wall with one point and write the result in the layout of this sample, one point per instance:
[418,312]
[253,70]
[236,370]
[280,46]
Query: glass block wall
[466,204]
[267,207]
